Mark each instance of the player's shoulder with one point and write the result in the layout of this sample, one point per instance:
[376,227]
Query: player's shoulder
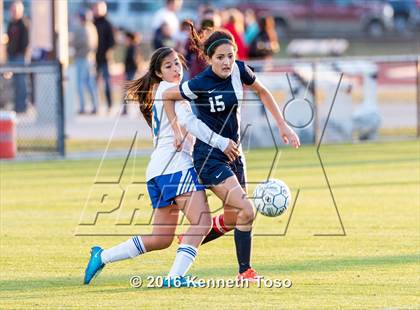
[204,75]
[202,81]
[164,85]
[240,63]
[246,72]
[243,66]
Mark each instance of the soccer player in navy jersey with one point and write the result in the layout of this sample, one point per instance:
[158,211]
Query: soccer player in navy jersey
[172,182]
[217,94]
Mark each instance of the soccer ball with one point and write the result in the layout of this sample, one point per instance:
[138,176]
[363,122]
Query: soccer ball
[272,198]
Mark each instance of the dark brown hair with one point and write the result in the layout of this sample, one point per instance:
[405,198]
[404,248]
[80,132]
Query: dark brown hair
[141,90]
[207,46]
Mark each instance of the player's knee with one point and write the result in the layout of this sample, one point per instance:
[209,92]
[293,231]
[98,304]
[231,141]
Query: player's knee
[165,242]
[205,224]
[230,219]
[248,213]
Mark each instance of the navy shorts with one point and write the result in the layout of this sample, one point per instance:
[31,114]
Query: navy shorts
[213,171]
[163,189]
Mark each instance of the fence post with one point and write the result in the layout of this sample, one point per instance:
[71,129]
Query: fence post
[315,103]
[60,110]
[2,47]
[418,94]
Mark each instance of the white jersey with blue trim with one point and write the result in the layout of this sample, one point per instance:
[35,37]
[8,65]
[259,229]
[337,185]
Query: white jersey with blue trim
[165,159]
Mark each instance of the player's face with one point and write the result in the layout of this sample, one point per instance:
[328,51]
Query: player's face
[171,69]
[222,60]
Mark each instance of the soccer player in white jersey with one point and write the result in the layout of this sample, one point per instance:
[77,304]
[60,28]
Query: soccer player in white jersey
[217,94]
[172,182]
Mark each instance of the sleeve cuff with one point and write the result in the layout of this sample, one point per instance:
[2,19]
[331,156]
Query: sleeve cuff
[222,143]
[186,92]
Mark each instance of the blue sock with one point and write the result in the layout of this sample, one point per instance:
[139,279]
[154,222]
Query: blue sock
[243,249]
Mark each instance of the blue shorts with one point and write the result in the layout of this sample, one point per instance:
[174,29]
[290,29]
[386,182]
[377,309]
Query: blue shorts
[164,188]
[214,171]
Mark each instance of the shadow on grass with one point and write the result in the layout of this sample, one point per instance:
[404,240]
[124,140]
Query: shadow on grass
[329,265]
[109,283]
[102,284]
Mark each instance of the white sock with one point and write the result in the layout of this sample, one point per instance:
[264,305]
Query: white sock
[128,249]
[185,256]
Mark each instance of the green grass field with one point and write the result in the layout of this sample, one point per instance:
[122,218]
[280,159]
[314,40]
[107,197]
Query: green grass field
[375,266]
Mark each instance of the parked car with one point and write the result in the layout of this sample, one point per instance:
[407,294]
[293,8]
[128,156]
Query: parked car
[135,15]
[321,18]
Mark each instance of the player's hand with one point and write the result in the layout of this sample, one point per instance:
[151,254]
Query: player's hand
[289,136]
[232,150]
[178,141]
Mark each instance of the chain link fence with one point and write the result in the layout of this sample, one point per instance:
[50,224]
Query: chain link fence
[34,91]
[340,100]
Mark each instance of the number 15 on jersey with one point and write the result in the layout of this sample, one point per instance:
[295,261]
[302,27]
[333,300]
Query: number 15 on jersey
[217,104]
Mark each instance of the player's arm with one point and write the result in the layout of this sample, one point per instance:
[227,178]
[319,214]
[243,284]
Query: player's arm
[288,135]
[199,129]
[169,97]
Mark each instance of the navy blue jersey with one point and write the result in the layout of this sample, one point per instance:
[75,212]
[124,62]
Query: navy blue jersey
[217,102]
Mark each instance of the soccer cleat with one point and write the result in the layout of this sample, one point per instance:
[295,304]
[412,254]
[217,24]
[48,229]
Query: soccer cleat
[249,275]
[95,264]
[179,282]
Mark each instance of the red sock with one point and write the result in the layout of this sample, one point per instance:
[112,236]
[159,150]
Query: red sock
[219,224]
[218,229]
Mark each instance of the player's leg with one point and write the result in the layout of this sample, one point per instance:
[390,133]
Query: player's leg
[196,209]
[222,223]
[164,224]
[232,194]
[165,219]
[213,171]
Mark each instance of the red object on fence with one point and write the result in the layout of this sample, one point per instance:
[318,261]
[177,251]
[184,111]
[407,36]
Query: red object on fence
[7,134]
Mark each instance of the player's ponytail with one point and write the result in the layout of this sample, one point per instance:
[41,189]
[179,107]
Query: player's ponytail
[141,90]
[207,46]
[196,40]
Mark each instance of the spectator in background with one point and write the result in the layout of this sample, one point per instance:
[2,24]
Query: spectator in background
[265,44]
[85,43]
[183,37]
[131,59]
[209,19]
[207,12]
[167,15]
[224,16]
[163,37]
[105,43]
[251,27]
[236,26]
[166,25]
[18,33]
